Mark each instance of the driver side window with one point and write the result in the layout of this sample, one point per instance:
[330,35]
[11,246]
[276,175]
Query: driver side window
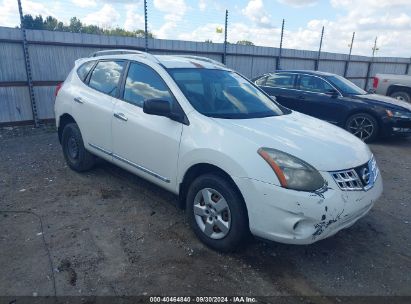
[314,84]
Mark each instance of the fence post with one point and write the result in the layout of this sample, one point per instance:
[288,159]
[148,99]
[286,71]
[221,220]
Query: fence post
[349,56]
[278,65]
[317,62]
[225,37]
[145,27]
[28,67]
[407,68]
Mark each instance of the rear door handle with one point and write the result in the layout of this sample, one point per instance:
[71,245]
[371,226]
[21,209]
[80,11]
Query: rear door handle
[120,116]
[78,100]
[301,97]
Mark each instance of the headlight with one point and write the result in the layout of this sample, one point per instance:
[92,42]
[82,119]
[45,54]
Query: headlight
[292,172]
[398,114]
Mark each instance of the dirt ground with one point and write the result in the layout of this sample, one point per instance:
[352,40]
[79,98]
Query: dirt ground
[112,233]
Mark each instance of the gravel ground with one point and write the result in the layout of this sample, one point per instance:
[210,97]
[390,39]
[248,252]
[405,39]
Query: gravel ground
[112,233]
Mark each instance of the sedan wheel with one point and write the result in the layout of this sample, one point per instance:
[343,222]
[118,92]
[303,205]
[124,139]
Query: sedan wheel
[364,126]
[212,213]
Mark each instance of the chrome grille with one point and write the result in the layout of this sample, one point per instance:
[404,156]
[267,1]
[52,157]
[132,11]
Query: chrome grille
[359,178]
[347,180]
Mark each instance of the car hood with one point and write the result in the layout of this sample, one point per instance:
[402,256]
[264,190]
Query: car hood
[323,145]
[384,100]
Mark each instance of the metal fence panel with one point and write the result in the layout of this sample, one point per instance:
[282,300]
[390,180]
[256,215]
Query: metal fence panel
[53,54]
[15,104]
[12,66]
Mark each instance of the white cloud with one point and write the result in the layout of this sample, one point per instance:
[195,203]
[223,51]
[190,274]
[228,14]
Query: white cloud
[202,5]
[9,15]
[299,3]
[174,12]
[256,12]
[36,8]
[134,18]
[84,3]
[106,17]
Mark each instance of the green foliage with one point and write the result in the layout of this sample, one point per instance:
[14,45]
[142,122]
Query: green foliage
[76,26]
[245,42]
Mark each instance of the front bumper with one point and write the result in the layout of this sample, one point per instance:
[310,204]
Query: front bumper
[396,126]
[298,217]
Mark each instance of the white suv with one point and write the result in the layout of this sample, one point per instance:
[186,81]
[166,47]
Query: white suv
[238,161]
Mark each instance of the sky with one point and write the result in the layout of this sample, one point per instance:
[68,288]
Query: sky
[258,21]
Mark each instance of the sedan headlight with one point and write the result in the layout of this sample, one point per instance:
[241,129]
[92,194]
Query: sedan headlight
[398,114]
[292,172]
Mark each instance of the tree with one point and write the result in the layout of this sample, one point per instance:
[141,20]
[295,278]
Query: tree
[76,26]
[51,23]
[245,42]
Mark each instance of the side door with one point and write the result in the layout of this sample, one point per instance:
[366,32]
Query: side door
[318,98]
[282,86]
[94,104]
[147,145]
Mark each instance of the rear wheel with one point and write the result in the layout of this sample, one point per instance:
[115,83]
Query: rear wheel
[217,213]
[400,95]
[77,157]
[363,125]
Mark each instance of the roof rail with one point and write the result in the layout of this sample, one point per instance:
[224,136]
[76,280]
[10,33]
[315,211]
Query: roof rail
[124,51]
[200,58]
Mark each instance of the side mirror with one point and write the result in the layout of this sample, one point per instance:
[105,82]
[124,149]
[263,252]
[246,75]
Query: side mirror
[332,92]
[158,107]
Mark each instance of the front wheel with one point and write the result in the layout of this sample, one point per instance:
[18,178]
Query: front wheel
[217,213]
[363,125]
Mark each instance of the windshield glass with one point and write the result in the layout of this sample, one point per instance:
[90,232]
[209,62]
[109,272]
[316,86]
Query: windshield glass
[345,86]
[223,94]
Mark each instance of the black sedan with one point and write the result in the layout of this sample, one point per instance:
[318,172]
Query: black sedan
[337,100]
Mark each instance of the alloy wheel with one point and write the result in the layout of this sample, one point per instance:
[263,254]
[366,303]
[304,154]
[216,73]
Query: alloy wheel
[212,213]
[362,127]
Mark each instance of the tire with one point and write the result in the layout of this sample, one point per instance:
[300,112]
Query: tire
[363,125]
[76,156]
[206,221]
[401,95]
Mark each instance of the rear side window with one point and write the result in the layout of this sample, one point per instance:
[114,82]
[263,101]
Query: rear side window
[314,84]
[84,69]
[143,83]
[106,76]
[281,80]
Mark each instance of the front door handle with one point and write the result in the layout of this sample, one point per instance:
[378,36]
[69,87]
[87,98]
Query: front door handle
[301,97]
[79,100]
[120,116]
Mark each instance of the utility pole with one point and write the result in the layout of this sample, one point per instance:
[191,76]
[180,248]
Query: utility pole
[145,27]
[281,47]
[349,55]
[28,67]
[319,50]
[225,37]
[374,49]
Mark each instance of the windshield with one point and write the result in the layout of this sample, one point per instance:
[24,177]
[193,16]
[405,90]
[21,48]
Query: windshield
[223,94]
[345,86]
